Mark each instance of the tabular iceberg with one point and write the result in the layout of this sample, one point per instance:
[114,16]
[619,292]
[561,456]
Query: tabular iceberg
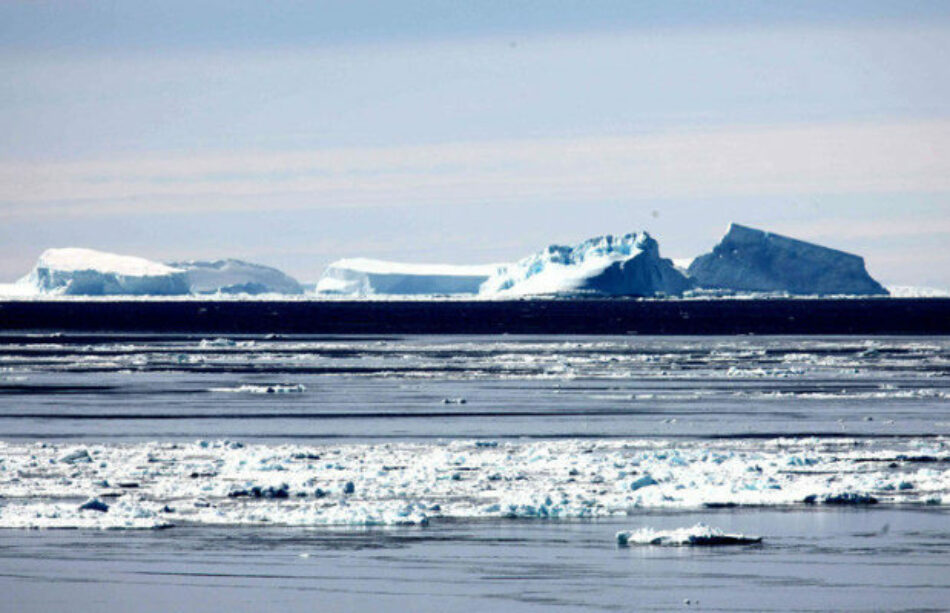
[365,277]
[750,260]
[236,277]
[628,265]
[86,272]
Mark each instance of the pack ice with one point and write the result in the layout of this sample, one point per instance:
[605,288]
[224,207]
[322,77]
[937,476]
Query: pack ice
[86,272]
[229,276]
[628,265]
[366,277]
[750,260]
[228,483]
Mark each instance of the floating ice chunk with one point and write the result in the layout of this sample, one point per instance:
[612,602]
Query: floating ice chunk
[80,456]
[208,343]
[278,388]
[94,504]
[849,499]
[644,481]
[698,535]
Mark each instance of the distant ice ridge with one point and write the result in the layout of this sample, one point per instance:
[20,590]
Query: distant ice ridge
[155,484]
[750,260]
[86,272]
[367,277]
[628,265]
[231,276]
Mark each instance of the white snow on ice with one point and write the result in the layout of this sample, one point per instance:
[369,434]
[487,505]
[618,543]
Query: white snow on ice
[608,265]
[228,483]
[75,271]
[366,277]
[74,259]
[698,535]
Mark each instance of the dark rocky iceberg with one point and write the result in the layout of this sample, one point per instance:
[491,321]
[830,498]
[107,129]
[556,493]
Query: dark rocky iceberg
[750,260]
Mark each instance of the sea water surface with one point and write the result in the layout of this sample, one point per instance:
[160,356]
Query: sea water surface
[477,473]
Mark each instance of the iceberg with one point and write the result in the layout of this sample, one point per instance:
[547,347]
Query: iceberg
[230,276]
[86,272]
[751,260]
[628,265]
[366,277]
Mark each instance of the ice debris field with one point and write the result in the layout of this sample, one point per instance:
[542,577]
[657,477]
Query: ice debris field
[163,484]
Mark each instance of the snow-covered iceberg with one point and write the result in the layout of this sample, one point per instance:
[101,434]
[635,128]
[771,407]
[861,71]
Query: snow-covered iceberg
[236,277]
[366,277]
[86,272]
[750,260]
[628,265]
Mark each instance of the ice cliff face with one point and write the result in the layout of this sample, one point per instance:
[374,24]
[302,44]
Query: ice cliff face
[628,265]
[365,277]
[85,272]
[750,260]
[236,277]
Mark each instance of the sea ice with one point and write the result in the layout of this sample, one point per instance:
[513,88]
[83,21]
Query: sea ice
[277,388]
[699,535]
[156,484]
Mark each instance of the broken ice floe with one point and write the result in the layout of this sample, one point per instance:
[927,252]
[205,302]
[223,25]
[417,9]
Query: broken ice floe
[278,388]
[157,484]
[699,535]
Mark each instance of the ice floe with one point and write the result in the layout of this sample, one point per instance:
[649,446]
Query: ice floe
[158,484]
[699,535]
[277,388]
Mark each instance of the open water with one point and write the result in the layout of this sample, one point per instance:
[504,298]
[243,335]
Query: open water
[490,473]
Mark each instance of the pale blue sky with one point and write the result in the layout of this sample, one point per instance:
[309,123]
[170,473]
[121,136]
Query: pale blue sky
[294,133]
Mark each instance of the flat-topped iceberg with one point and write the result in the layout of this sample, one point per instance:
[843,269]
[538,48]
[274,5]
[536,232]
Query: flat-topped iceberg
[231,276]
[366,277]
[86,272]
[628,265]
[750,260]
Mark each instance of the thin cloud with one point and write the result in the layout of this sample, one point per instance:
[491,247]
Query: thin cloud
[840,158]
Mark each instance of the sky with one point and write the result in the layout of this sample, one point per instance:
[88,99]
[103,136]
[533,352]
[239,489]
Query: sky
[296,133]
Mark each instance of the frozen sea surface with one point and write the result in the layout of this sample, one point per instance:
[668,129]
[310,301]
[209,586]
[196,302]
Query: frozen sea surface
[476,473]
